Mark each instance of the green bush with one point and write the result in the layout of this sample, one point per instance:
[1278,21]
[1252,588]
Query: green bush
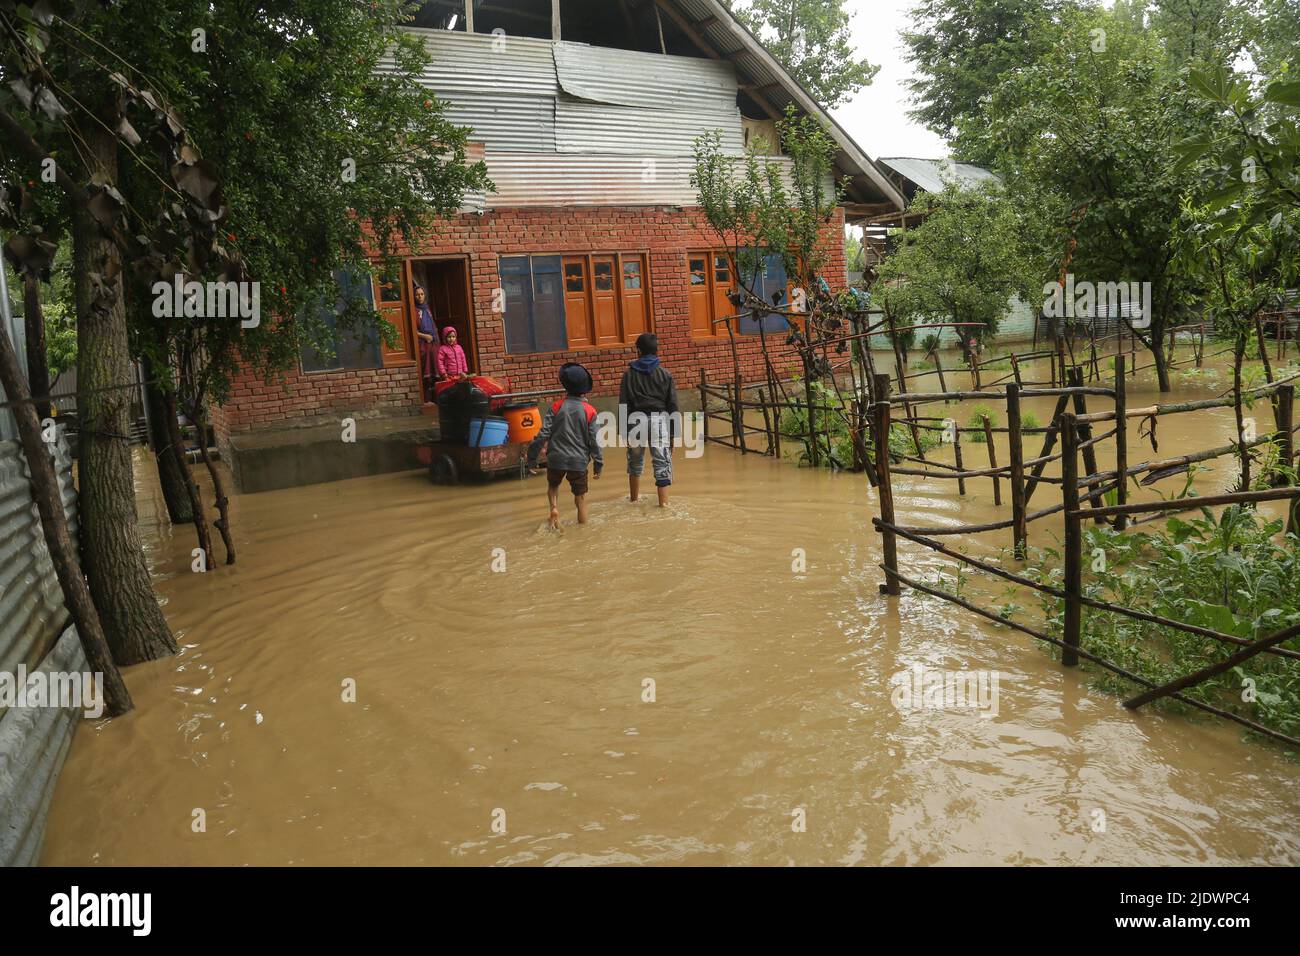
[1235,574]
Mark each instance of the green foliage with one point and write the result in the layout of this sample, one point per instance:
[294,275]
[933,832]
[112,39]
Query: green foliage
[750,207]
[976,420]
[963,263]
[812,40]
[1235,574]
[837,452]
[960,49]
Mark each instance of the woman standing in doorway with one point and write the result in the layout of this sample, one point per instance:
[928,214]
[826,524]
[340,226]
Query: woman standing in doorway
[427,333]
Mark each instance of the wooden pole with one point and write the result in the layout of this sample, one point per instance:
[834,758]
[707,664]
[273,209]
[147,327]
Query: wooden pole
[956,450]
[1073,541]
[767,420]
[1121,439]
[1019,534]
[1085,433]
[993,460]
[738,415]
[1015,369]
[704,401]
[938,367]
[880,415]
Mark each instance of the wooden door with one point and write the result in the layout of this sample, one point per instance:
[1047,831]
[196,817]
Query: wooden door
[577,309]
[634,280]
[604,294]
[697,267]
[722,286]
[394,305]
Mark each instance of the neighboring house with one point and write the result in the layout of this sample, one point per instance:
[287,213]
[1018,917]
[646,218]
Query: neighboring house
[585,112]
[911,176]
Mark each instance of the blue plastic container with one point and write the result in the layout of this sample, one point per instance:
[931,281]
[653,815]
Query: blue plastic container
[488,432]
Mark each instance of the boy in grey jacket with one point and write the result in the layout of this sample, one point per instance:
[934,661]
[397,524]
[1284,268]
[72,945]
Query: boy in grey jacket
[569,432]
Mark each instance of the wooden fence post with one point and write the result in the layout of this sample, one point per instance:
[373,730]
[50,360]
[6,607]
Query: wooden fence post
[880,417]
[704,401]
[993,461]
[767,420]
[1073,540]
[1019,533]
[1121,440]
[814,456]
[1286,424]
[1085,434]
[738,414]
[956,449]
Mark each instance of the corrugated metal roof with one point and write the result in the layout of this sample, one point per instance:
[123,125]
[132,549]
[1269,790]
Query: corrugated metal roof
[578,179]
[478,63]
[932,174]
[725,34]
[585,127]
[650,81]
[516,123]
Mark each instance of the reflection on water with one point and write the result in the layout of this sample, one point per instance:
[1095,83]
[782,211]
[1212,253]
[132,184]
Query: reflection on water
[522,692]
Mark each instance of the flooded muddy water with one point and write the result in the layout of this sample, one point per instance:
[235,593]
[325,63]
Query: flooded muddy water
[517,696]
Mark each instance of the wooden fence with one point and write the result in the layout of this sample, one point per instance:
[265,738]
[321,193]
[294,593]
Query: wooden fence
[1083,493]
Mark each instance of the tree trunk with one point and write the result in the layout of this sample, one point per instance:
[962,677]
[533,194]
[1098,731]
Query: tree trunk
[173,480]
[54,525]
[1161,361]
[1243,453]
[177,445]
[112,555]
[222,523]
[38,364]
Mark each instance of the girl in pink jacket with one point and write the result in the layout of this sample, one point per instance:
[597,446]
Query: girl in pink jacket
[451,357]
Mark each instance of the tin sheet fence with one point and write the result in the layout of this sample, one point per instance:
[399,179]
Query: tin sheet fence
[35,634]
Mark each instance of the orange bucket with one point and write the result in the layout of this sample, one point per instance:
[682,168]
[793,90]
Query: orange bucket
[523,423]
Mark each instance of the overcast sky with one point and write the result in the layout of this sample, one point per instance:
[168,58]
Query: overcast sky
[877,117]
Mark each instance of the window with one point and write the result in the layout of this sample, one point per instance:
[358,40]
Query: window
[710,286]
[351,344]
[771,285]
[554,303]
[710,289]
[518,18]
[440,15]
[534,316]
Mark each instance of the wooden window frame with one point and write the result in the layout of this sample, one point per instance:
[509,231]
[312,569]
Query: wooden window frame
[711,285]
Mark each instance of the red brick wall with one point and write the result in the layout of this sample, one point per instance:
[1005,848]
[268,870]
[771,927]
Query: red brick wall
[667,234]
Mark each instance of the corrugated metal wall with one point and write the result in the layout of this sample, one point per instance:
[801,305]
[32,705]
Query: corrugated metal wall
[34,631]
[572,124]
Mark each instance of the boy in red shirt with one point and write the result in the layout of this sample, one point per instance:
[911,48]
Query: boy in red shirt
[569,432]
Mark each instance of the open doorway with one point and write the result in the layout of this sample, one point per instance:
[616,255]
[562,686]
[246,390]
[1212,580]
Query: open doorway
[446,286]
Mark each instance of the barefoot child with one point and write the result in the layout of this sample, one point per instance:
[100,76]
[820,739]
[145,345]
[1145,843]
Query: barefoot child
[569,432]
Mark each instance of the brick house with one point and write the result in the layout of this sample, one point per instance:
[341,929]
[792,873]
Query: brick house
[586,112]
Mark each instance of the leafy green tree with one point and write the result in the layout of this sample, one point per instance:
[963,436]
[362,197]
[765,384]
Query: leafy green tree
[1275,41]
[962,264]
[286,97]
[1091,127]
[811,39]
[1199,32]
[960,49]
